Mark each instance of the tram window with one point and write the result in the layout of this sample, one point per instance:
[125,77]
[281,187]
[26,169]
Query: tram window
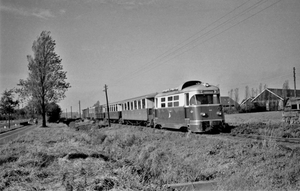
[176,97]
[187,99]
[216,99]
[176,104]
[170,98]
[163,105]
[131,105]
[294,106]
[163,99]
[170,104]
[156,102]
[139,104]
[201,99]
[143,103]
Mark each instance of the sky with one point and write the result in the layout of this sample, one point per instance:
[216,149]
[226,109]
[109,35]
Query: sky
[138,47]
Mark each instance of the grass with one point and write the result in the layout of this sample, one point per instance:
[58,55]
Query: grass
[138,158]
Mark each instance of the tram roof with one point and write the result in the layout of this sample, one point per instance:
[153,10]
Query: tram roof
[147,96]
[188,86]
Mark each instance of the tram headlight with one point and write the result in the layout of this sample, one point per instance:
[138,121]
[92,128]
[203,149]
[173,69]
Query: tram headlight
[219,113]
[203,114]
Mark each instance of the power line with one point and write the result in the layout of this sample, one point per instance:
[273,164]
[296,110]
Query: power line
[211,30]
[173,48]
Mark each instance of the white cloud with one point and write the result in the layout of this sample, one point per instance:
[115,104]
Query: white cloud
[62,11]
[43,13]
[18,11]
[40,13]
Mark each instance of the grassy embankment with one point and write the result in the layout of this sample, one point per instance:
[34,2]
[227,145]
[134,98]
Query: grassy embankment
[139,158]
[264,123]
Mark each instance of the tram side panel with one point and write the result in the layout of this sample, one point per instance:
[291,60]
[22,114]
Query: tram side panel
[137,116]
[173,117]
[114,116]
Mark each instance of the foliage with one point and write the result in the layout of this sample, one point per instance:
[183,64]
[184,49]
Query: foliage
[32,109]
[46,79]
[252,107]
[7,104]
[54,112]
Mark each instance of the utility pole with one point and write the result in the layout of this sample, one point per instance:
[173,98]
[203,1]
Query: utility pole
[79,110]
[295,90]
[71,113]
[66,113]
[105,89]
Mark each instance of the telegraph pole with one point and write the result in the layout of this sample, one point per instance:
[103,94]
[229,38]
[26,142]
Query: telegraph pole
[295,90]
[105,89]
[71,112]
[66,113]
[79,110]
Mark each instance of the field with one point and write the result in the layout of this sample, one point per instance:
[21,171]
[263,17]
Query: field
[88,157]
[263,117]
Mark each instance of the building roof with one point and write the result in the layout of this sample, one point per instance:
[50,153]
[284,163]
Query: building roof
[246,100]
[279,93]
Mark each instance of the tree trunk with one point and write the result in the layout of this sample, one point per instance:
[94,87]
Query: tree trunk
[9,120]
[44,113]
[44,119]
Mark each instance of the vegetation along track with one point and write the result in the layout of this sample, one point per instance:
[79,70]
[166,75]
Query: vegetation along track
[276,132]
[280,133]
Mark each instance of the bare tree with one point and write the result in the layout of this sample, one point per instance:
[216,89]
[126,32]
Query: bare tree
[252,92]
[285,89]
[260,90]
[236,96]
[247,93]
[46,80]
[265,86]
[230,98]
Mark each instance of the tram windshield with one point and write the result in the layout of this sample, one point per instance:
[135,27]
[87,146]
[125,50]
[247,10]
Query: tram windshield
[200,99]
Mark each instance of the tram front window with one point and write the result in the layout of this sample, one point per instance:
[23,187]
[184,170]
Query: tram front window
[199,99]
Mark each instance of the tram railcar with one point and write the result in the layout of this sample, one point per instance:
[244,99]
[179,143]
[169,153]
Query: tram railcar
[138,110]
[194,106]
